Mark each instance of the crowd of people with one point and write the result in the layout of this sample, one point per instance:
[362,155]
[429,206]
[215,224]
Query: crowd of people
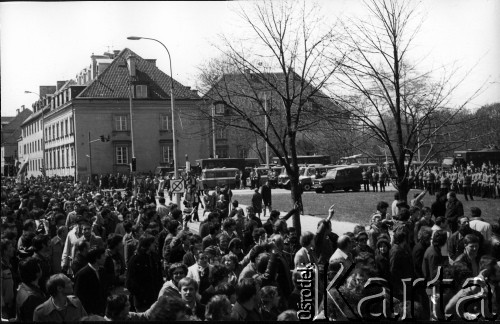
[74,252]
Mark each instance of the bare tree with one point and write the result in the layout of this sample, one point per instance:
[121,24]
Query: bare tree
[405,109]
[276,73]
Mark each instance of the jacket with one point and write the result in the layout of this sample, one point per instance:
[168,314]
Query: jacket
[454,209]
[47,312]
[432,259]
[90,290]
[28,298]
[194,272]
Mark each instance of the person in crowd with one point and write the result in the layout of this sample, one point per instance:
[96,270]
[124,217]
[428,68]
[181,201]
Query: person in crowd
[90,284]
[200,271]
[29,295]
[270,301]
[438,207]
[62,306]
[188,290]
[423,242]
[401,263]
[265,192]
[306,254]
[219,275]
[470,255]
[143,276]
[456,243]
[218,309]
[382,257]
[56,248]
[118,310]
[247,301]
[176,272]
[257,202]
[114,263]
[454,210]
[288,316]
[82,249]
[478,224]
[432,257]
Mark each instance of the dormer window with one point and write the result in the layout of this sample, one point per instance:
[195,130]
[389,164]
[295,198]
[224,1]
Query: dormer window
[219,109]
[141,91]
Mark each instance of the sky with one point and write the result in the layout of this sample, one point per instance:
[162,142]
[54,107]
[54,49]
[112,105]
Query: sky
[45,42]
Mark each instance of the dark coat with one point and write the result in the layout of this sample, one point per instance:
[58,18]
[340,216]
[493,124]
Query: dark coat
[401,264]
[418,258]
[432,260]
[28,298]
[90,290]
[143,277]
[383,265]
[454,209]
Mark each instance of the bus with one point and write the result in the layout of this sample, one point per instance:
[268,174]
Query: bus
[307,159]
[476,157]
[364,159]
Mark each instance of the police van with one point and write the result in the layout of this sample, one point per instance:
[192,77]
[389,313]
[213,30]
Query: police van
[211,178]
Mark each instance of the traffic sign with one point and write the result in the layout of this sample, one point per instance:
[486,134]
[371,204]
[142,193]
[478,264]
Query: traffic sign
[177,186]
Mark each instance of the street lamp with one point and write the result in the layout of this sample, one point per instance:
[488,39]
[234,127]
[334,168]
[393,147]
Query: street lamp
[43,129]
[178,198]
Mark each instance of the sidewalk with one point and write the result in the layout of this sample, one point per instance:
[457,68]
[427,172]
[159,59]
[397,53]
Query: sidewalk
[308,223]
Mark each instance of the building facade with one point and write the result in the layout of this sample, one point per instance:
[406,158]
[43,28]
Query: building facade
[11,131]
[124,99]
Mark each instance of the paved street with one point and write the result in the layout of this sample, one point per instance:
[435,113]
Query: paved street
[308,223]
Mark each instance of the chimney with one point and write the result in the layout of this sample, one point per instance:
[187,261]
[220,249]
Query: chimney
[23,107]
[153,61]
[18,111]
[131,65]
[116,52]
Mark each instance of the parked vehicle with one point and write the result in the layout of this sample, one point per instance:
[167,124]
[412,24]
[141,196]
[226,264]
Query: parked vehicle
[342,178]
[284,179]
[212,178]
[264,175]
[311,172]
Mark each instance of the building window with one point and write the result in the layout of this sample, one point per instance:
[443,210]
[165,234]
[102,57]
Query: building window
[72,156]
[166,153]
[121,123]
[219,109]
[121,154]
[164,122]
[242,153]
[220,133]
[57,130]
[66,127]
[221,152]
[62,157]
[71,125]
[53,132]
[141,91]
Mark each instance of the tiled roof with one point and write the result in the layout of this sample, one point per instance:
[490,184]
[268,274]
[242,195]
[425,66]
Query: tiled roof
[113,81]
[6,120]
[235,84]
[15,125]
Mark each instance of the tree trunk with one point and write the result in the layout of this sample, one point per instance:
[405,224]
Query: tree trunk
[296,196]
[403,188]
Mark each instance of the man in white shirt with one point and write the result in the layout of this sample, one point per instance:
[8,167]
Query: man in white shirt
[477,223]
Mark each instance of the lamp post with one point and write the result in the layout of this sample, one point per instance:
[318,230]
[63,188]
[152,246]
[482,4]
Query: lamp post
[176,175]
[43,129]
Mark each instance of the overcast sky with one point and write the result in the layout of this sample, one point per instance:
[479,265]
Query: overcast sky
[42,43]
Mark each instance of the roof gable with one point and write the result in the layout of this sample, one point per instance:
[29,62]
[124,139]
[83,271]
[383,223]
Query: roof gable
[113,81]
